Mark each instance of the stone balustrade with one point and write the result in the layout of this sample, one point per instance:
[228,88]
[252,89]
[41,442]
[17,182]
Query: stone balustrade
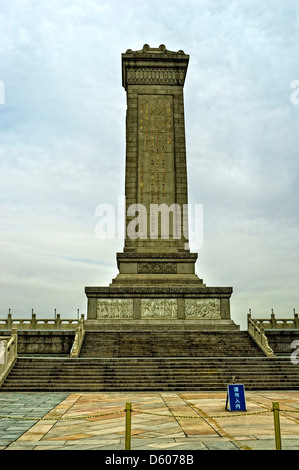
[79,336]
[8,348]
[39,324]
[8,354]
[276,323]
[257,333]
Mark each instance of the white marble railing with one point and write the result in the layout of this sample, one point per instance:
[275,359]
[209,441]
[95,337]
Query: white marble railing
[39,324]
[274,323]
[8,354]
[257,333]
[79,336]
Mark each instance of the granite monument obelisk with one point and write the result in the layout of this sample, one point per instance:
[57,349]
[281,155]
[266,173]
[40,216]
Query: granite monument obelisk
[156,284]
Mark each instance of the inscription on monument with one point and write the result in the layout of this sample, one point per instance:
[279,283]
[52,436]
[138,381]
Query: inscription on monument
[155,149]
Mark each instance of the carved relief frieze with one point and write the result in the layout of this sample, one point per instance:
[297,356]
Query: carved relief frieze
[202,308]
[159,308]
[155,76]
[115,308]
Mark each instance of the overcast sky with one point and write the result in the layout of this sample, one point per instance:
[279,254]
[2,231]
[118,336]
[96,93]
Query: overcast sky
[62,151]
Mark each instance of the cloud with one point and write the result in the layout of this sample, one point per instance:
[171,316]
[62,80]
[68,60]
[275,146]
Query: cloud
[62,132]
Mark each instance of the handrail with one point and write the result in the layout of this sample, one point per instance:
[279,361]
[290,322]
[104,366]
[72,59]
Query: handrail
[8,355]
[274,323]
[258,335]
[39,324]
[79,336]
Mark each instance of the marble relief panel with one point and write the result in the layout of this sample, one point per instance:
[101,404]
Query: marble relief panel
[202,308]
[159,308]
[115,308]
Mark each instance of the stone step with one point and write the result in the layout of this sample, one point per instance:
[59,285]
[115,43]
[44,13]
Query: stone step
[163,360]
[160,370]
[130,371]
[158,344]
[177,363]
[46,374]
[207,362]
[149,379]
[154,377]
[36,369]
[113,372]
[153,372]
[149,387]
[166,373]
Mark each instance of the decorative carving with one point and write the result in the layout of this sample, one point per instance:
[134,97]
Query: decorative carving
[155,76]
[157,268]
[159,308]
[202,308]
[115,308]
[147,49]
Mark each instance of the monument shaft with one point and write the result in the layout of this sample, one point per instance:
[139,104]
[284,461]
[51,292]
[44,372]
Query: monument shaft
[155,143]
[156,173]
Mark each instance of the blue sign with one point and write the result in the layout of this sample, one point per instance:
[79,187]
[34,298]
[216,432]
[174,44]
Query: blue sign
[235,400]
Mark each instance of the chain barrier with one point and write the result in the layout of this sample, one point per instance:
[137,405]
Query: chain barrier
[200,416]
[62,418]
[96,415]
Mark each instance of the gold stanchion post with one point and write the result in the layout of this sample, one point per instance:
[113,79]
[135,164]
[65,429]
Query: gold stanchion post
[128,411]
[275,408]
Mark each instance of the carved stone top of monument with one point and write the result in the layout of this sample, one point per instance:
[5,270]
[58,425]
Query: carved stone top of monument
[154,66]
[154,50]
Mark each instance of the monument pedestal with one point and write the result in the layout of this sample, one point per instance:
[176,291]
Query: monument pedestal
[156,268]
[202,308]
[157,290]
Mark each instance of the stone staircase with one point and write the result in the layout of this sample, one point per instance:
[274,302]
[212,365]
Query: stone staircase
[155,360]
[151,374]
[169,344]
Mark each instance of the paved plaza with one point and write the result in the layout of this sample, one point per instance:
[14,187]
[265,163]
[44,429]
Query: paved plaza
[169,421]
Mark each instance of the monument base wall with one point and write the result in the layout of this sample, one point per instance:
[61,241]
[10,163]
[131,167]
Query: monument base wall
[159,307]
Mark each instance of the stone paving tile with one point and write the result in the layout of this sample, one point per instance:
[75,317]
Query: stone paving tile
[31,447]
[25,405]
[28,444]
[220,445]
[216,429]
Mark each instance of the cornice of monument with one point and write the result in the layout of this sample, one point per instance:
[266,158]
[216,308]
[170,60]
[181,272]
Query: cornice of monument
[147,50]
[163,291]
[154,66]
[155,255]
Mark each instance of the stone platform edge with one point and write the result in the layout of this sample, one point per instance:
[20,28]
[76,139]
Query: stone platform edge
[156,291]
[159,325]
